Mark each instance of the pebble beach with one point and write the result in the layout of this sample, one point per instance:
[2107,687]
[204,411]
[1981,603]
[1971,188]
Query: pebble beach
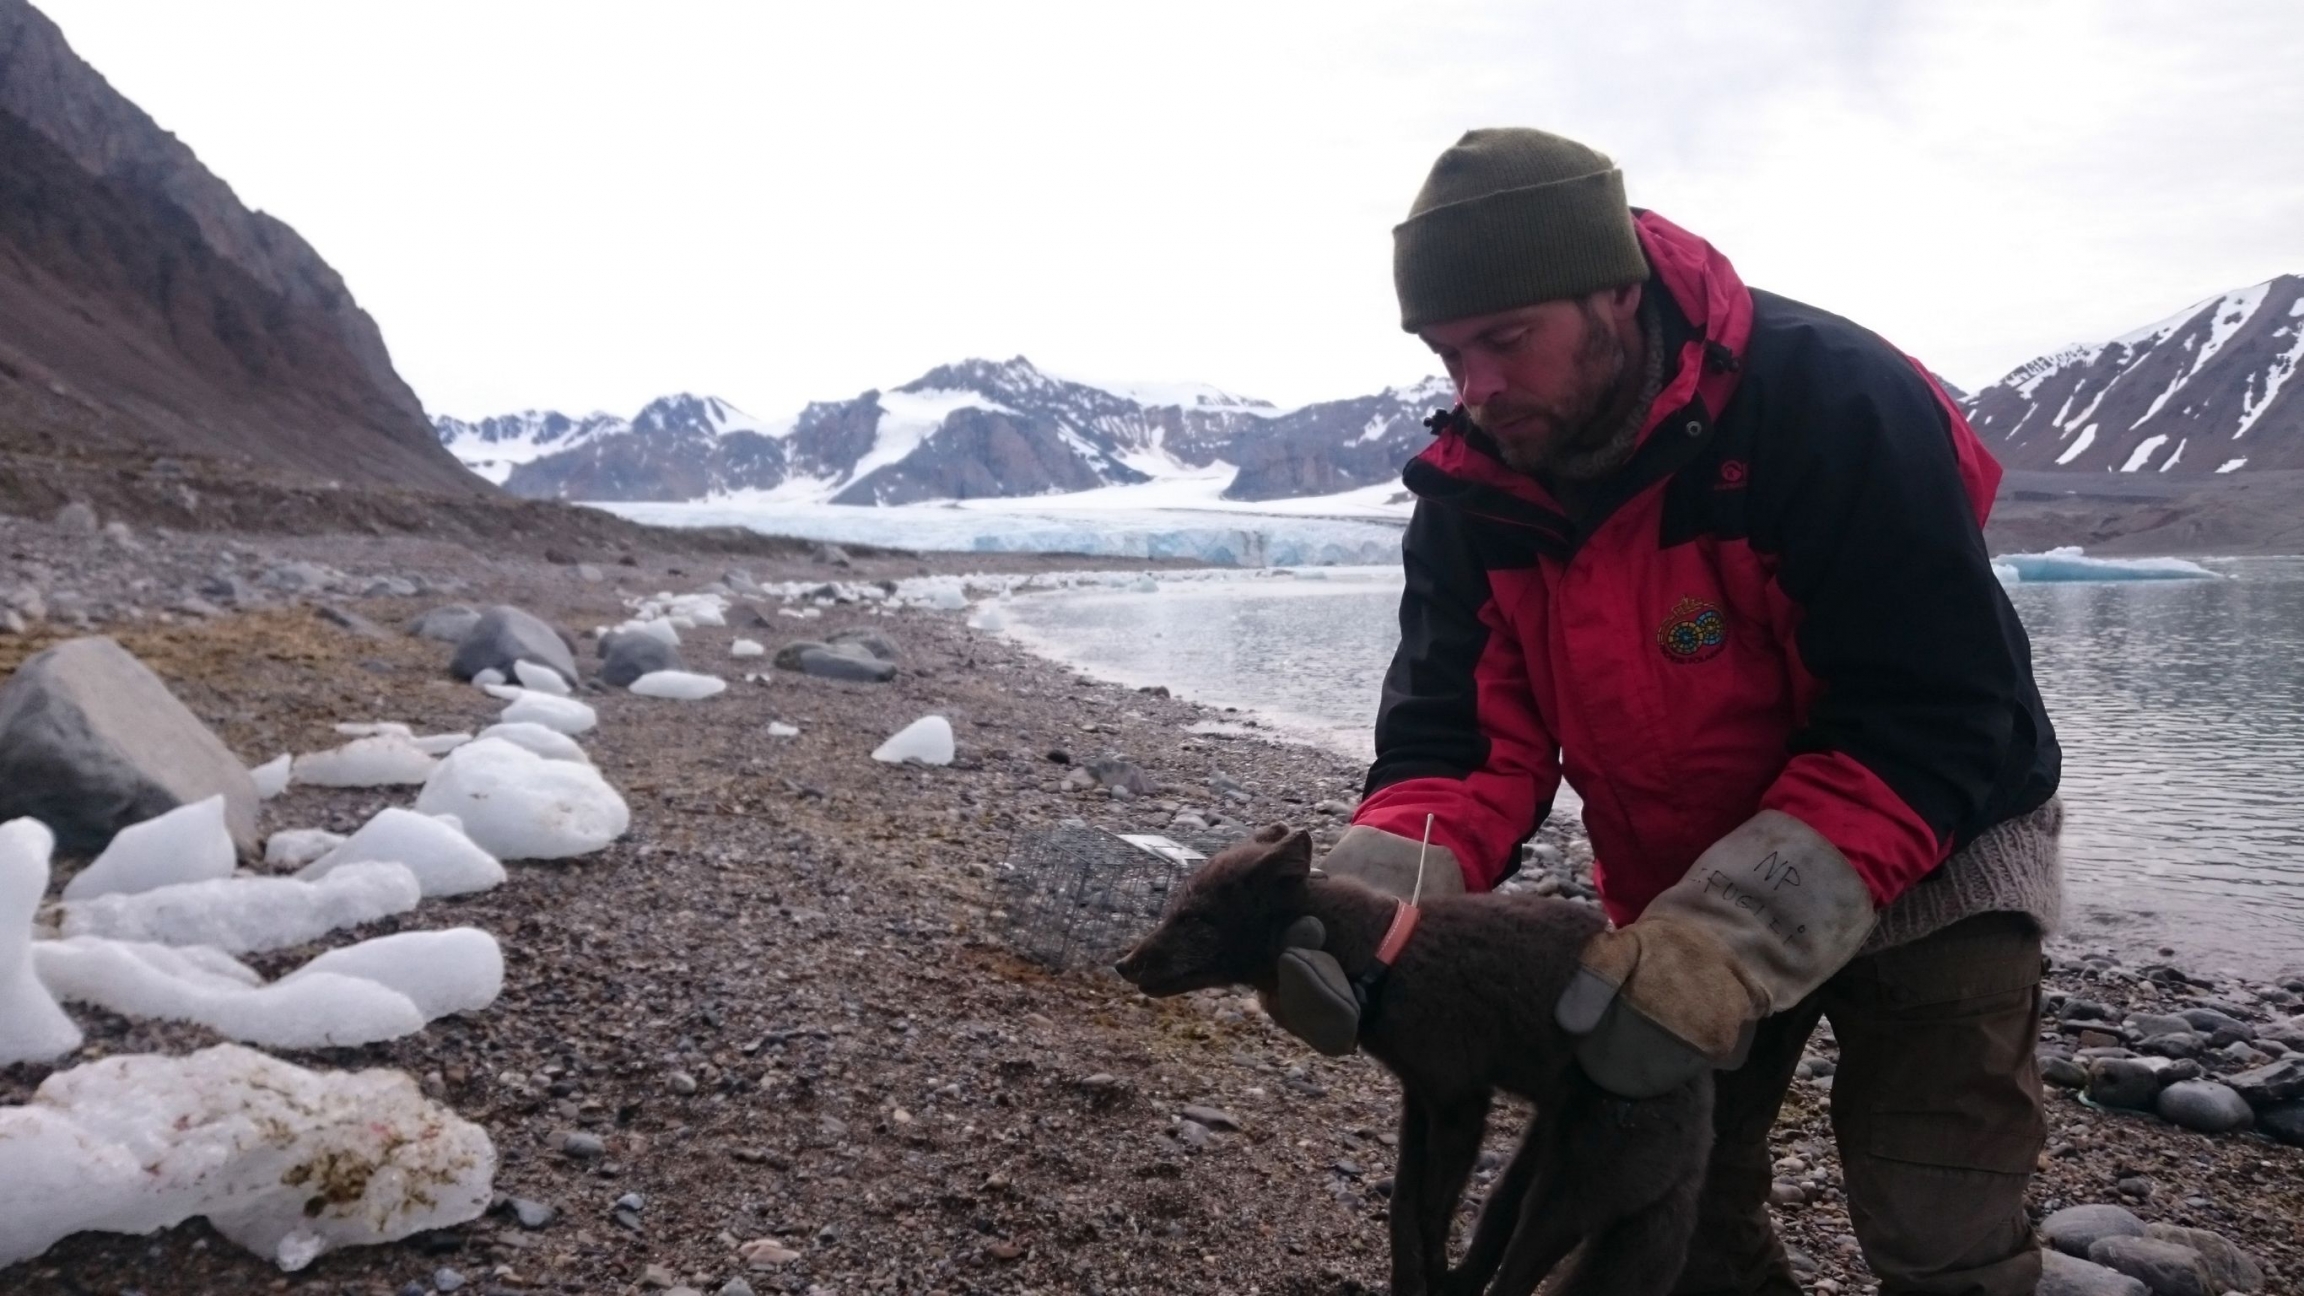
[778,1035]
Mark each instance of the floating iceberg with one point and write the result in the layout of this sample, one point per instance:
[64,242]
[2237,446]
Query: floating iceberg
[927,741]
[286,1162]
[681,686]
[209,988]
[518,805]
[2070,564]
[444,860]
[379,760]
[32,1027]
[243,915]
[190,843]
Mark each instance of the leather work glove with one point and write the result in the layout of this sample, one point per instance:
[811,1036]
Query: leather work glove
[1386,862]
[1763,917]
[1314,1001]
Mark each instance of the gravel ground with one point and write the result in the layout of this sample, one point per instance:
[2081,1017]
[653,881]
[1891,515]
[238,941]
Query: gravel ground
[782,1020]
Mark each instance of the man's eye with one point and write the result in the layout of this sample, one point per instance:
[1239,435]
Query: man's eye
[1506,341]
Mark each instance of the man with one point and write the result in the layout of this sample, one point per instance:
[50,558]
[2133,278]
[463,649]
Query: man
[1717,557]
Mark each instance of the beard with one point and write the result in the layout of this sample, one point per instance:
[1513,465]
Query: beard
[1587,433]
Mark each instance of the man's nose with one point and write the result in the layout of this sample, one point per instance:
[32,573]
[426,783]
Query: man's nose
[1478,381]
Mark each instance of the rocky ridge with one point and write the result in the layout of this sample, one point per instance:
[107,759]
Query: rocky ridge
[970,430]
[146,309]
[2210,390]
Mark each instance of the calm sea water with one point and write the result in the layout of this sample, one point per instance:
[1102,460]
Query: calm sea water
[2180,705]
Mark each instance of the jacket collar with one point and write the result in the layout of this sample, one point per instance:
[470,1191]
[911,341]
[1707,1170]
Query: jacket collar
[1708,313]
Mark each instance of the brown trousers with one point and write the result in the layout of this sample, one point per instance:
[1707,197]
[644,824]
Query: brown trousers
[1936,1109]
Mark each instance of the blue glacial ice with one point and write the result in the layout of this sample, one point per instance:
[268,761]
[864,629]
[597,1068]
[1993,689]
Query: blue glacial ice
[1228,538]
[2070,564]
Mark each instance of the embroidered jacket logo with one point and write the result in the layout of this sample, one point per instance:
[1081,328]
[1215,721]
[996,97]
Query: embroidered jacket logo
[1693,631]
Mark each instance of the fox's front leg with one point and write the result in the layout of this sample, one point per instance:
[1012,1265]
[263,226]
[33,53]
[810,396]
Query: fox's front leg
[1410,1264]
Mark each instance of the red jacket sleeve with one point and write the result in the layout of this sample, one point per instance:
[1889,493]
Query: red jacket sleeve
[1458,736]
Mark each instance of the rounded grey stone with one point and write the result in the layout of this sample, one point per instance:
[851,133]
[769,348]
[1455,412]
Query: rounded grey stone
[2123,1082]
[2165,1267]
[2063,1275]
[2204,1105]
[2074,1229]
[628,656]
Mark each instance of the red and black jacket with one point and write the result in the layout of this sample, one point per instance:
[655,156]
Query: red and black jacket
[1782,601]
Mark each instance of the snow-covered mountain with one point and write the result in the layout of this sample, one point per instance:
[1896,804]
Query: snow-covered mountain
[2208,390]
[973,430]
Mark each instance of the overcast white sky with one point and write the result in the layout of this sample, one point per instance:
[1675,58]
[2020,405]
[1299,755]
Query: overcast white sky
[584,206]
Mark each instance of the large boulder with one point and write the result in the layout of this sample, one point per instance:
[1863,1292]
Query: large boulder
[92,741]
[844,660]
[871,641]
[2127,1083]
[505,635]
[628,656]
[2276,1082]
[448,623]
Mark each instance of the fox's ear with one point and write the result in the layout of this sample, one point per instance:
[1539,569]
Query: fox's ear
[1270,833]
[1292,858]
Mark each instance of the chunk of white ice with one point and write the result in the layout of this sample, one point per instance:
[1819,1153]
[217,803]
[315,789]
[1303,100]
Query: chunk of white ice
[566,715]
[680,686]
[286,1162]
[296,847]
[779,729]
[441,744]
[654,629]
[271,777]
[551,744]
[32,1027]
[2069,563]
[374,729]
[747,648]
[458,970]
[987,617]
[444,860]
[143,979]
[379,760]
[190,843]
[242,915]
[539,677]
[927,740]
[488,676]
[519,805]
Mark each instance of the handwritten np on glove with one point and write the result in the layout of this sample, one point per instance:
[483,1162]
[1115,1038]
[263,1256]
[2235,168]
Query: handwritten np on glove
[1765,916]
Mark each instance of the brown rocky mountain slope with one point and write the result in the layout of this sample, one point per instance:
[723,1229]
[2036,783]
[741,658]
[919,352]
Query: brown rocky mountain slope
[144,308]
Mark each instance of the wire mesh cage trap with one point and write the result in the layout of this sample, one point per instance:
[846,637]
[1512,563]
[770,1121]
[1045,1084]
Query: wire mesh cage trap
[1078,896]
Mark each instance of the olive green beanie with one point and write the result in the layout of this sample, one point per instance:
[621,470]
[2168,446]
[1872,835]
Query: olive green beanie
[1509,218]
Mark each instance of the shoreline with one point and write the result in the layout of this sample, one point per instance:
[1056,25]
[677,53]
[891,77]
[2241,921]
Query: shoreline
[878,1088]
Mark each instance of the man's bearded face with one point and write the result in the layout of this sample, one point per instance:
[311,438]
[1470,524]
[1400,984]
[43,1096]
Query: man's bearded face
[1548,383]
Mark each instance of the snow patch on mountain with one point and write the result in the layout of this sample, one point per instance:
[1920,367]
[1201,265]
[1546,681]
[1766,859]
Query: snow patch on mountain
[2217,370]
